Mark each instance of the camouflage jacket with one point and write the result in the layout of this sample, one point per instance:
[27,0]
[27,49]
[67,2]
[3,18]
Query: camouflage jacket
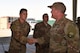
[19,36]
[64,36]
[41,29]
[78,24]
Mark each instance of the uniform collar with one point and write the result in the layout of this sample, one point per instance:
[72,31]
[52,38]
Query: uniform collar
[60,21]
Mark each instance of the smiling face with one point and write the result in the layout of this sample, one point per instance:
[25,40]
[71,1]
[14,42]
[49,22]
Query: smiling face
[23,15]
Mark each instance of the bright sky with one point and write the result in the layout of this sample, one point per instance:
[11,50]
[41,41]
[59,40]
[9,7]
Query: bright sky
[36,8]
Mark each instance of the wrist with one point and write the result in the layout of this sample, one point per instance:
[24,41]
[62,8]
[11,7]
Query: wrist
[36,40]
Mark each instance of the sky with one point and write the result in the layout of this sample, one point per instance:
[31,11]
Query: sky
[36,8]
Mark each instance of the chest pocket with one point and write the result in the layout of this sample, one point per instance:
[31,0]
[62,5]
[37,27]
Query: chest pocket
[25,29]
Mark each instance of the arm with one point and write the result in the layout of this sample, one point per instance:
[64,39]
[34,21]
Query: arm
[72,36]
[37,34]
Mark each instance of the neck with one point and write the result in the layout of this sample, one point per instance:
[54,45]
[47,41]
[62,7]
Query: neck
[21,20]
[60,16]
[44,22]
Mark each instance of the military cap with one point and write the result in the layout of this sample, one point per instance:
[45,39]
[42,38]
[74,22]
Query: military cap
[59,6]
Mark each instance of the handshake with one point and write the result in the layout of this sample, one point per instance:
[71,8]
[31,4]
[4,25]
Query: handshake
[31,41]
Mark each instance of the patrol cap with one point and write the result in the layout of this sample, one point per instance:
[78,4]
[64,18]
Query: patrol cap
[58,5]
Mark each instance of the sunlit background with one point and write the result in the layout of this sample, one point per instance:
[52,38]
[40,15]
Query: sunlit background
[36,8]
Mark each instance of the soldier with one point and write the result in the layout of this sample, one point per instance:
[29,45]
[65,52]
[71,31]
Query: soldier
[40,30]
[78,23]
[64,34]
[20,30]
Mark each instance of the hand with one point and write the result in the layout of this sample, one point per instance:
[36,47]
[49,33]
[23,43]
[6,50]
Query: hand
[32,40]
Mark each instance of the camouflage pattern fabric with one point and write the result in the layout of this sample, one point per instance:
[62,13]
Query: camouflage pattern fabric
[19,37]
[64,37]
[40,31]
[78,24]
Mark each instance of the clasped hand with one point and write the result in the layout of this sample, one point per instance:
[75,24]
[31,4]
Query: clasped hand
[31,40]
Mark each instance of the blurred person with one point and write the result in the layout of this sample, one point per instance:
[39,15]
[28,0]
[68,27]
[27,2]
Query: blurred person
[20,30]
[40,30]
[64,34]
[78,24]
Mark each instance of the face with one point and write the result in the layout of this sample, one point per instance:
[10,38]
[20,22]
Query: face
[45,18]
[23,15]
[54,13]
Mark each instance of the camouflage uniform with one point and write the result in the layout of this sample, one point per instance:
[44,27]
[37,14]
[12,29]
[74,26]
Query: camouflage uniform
[20,32]
[64,37]
[79,27]
[78,24]
[40,31]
